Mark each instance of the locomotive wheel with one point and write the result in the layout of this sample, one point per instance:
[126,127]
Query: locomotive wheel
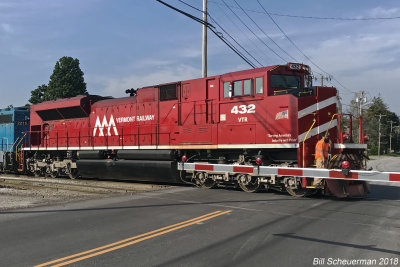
[203,181]
[298,192]
[73,174]
[249,184]
[54,174]
[37,173]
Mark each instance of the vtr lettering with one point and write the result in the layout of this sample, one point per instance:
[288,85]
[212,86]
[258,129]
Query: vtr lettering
[105,124]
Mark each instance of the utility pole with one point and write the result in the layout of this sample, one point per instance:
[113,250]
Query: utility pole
[361,100]
[398,132]
[379,139]
[390,142]
[204,58]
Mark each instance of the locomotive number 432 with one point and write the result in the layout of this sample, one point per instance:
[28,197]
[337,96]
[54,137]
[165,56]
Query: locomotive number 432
[243,109]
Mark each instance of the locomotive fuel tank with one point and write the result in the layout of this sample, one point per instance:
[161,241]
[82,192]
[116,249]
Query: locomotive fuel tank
[140,170]
[142,165]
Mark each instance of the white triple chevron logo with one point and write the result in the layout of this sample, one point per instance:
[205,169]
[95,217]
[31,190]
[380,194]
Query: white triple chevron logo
[105,124]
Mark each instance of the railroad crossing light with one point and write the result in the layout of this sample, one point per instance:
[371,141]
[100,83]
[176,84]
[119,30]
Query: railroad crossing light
[258,161]
[345,167]
[184,158]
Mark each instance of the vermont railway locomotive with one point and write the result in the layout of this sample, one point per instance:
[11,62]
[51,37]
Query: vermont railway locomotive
[269,116]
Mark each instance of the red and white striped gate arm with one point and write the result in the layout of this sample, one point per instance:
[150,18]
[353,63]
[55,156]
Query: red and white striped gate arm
[298,172]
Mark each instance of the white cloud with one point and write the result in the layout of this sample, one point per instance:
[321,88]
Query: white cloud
[190,52]
[368,62]
[5,27]
[116,86]
[151,63]
[384,12]
[7,4]
[346,54]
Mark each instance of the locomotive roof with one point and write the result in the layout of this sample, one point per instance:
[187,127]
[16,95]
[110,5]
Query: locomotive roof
[228,74]
[115,101]
[12,109]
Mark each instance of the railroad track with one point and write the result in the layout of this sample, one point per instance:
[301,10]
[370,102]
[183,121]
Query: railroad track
[83,186]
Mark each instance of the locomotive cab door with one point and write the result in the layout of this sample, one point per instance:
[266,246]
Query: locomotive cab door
[45,136]
[212,95]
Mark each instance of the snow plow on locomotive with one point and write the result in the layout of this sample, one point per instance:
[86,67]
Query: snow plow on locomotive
[237,123]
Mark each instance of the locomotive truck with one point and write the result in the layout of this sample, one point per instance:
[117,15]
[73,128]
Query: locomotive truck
[220,130]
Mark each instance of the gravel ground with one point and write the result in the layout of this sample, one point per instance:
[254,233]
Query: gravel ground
[24,192]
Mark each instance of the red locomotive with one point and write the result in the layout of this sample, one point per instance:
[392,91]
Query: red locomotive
[268,116]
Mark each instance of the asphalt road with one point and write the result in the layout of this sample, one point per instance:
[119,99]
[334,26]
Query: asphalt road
[237,229]
[385,164]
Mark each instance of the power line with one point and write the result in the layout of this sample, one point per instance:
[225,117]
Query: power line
[233,48]
[317,18]
[293,43]
[284,33]
[272,50]
[225,15]
[208,14]
[212,28]
[189,5]
[333,18]
[272,40]
[247,52]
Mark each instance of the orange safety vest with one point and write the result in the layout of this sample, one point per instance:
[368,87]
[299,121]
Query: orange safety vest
[321,149]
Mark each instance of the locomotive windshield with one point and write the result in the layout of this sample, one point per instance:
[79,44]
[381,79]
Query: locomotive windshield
[291,84]
[285,81]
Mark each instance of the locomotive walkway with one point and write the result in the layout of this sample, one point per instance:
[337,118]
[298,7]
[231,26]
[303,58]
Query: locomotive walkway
[184,226]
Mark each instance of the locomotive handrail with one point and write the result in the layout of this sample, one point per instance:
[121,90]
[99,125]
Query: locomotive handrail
[305,137]
[305,92]
[56,140]
[16,154]
[193,110]
[340,137]
[329,125]
[278,91]
[16,140]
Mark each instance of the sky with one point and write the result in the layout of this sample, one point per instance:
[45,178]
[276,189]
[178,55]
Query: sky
[125,44]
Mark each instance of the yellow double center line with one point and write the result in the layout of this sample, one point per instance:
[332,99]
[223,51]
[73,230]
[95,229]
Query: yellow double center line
[131,240]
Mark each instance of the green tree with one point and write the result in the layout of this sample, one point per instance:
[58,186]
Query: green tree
[66,81]
[371,125]
[37,95]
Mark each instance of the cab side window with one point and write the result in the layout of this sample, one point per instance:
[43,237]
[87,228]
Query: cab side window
[226,89]
[237,88]
[259,85]
[243,87]
[247,87]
